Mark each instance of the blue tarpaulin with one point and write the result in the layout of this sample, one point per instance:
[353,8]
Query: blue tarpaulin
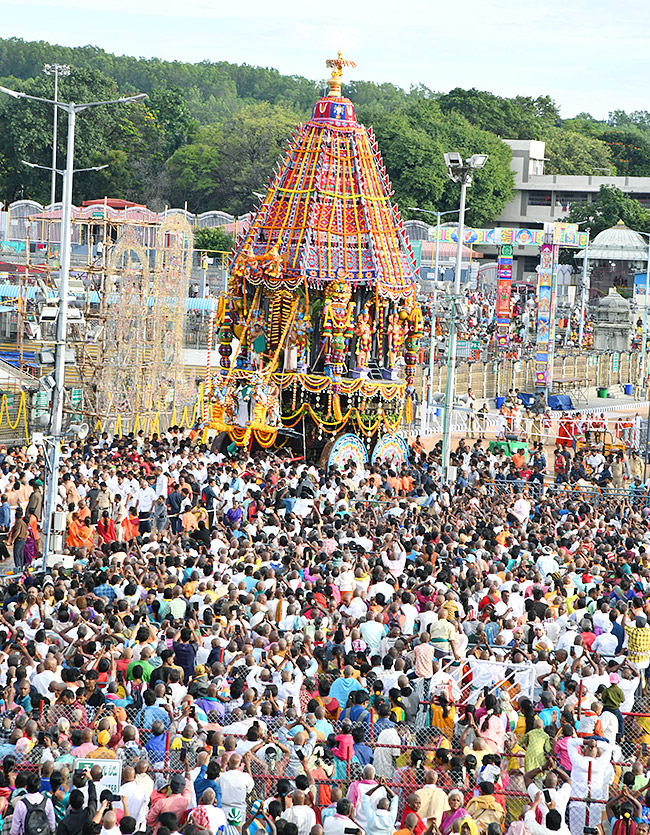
[10,291]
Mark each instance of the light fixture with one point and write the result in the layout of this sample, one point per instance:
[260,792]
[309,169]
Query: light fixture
[477,161]
[453,160]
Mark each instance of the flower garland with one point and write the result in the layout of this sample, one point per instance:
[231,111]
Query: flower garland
[365,426]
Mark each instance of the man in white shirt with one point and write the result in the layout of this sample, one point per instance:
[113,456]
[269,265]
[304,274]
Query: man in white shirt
[235,786]
[145,497]
[206,816]
[554,821]
[521,509]
[42,680]
[547,564]
[136,797]
[300,814]
[161,483]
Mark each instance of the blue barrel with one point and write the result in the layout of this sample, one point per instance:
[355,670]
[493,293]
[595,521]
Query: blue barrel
[629,388]
[500,402]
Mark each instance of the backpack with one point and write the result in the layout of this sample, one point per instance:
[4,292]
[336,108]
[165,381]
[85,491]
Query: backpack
[36,821]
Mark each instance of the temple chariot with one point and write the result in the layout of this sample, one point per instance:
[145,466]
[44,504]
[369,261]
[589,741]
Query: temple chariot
[318,332]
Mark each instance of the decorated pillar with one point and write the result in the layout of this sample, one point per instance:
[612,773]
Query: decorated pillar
[504,285]
[544,314]
[225,340]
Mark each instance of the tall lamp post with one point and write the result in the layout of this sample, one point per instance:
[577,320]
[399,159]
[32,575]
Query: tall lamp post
[56,415]
[56,70]
[463,173]
[436,268]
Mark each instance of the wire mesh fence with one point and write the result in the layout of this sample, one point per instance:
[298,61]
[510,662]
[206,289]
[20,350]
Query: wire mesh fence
[403,754]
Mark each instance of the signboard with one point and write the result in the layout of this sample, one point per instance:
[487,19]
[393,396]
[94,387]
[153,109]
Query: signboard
[40,404]
[614,363]
[112,771]
[504,284]
[75,400]
[469,348]
[544,294]
[416,246]
[640,284]
[564,234]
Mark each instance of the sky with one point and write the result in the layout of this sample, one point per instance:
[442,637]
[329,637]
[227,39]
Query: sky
[588,56]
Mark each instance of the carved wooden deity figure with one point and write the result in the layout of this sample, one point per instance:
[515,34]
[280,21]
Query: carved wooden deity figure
[337,326]
[395,333]
[364,331]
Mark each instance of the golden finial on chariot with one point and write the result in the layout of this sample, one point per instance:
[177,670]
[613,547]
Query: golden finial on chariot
[336,65]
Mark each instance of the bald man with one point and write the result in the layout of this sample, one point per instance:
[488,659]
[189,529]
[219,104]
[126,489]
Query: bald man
[136,797]
[235,785]
[300,814]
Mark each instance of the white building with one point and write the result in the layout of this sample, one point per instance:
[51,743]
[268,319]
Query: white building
[541,197]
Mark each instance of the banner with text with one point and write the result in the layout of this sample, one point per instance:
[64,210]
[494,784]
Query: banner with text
[504,284]
[544,292]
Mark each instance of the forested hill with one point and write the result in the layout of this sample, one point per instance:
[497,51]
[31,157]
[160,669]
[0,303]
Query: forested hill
[209,133]
[212,90]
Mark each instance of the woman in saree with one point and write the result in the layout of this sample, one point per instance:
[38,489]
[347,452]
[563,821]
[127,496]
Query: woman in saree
[106,529]
[456,812]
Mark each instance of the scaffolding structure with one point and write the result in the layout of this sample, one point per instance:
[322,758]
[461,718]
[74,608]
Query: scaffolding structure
[128,306]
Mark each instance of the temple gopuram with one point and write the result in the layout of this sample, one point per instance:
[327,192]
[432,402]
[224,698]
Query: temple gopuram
[319,330]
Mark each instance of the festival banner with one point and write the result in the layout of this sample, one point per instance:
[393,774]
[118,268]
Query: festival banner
[544,309]
[504,284]
[564,234]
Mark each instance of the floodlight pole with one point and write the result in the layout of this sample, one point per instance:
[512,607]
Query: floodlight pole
[56,414]
[56,418]
[644,331]
[463,173]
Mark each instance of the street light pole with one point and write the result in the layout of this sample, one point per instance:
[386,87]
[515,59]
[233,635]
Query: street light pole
[56,419]
[436,268]
[56,70]
[463,173]
[56,415]
[583,294]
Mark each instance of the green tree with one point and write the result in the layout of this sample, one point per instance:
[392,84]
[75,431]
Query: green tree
[570,152]
[584,123]
[610,206]
[213,239]
[413,139]
[194,173]
[240,154]
[172,112]
[630,150]
[129,138]
[637,119]
[521,117]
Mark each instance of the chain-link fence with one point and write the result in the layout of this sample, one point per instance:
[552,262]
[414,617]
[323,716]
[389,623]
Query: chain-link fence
[432,740]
